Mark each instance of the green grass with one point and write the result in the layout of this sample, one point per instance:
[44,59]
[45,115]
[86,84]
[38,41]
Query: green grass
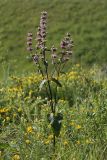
[85,19]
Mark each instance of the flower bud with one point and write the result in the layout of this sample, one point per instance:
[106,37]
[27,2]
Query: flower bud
[43,17]
[35,58]
[54,56]
[65,58]
[29,38]
[44,13]
[29,49]
[53,49]
[68,34]
[29,43]
[68,52]
[39,39]
[63,44]
[30,34]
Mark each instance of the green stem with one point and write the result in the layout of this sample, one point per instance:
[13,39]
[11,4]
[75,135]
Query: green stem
[39,67]
[49,86]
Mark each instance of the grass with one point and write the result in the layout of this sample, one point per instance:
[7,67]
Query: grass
[25,132]
[85,19]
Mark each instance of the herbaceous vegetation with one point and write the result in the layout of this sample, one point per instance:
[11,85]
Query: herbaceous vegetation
[53,113]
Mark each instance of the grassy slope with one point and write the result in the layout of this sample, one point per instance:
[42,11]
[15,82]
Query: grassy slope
[85,19]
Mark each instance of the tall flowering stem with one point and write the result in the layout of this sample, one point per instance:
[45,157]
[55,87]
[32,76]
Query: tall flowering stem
[46,58]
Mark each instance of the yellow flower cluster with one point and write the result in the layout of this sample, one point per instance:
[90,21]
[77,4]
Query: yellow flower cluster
[49,139]
[4,110]
[14,89]
[77,126]
[33,78]
[72,75]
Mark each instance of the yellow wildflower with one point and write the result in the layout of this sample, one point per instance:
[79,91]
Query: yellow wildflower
[88,141]
[29,129]
[7,118]
[50,137]
[72,75]
[65,143]
[78,142]
[19,109]
[78,127]
[16,157]
[28,141]
[77,65]
[14,115]
[47,142]
[72,124]
[4,110]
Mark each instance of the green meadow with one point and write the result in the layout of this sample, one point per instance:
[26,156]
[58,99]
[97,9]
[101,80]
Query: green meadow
[84,19]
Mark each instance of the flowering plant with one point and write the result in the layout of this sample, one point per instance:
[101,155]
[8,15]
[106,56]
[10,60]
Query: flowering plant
[50,63]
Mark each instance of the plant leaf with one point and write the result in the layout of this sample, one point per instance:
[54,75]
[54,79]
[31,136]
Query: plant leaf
[57,82]
[42,84]
[50,118]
